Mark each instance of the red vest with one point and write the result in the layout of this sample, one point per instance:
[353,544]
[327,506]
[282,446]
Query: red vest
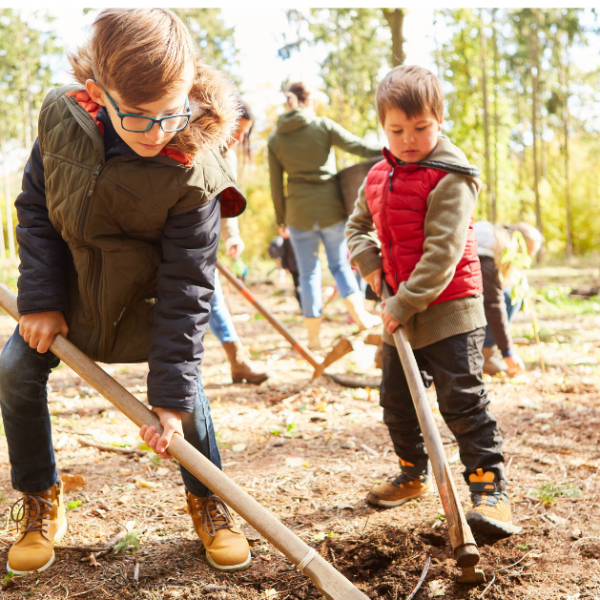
[399,216]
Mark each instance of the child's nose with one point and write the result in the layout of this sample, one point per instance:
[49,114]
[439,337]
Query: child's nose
[155,133]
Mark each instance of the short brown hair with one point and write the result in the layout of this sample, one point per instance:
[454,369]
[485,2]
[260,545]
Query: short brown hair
[300,90]
[145,54]
[413,90]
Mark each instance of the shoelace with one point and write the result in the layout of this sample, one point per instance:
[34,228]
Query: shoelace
[401,478]
[34,510]
[221,519]
[482,498]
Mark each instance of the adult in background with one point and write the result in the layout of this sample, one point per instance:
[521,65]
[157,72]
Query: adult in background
[496,244]
[220,322]
[313,209]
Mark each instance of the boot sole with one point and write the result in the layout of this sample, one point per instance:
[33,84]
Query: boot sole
[489,526]
[393,503]
[59,535]
[229,568]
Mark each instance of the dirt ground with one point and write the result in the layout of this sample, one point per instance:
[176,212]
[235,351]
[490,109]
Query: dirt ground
[309,451]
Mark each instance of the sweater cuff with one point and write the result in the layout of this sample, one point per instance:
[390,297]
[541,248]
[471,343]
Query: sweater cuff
[367,262]
[401,311]
[507,353]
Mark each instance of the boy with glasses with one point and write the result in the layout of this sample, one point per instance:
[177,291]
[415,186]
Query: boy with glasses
[119,223]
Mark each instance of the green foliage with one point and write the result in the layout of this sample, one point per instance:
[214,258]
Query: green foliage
[8,577]
[359,46]
[215,41]
[321,536]
[131,540]
[523,547]
[74,504]
[548,492]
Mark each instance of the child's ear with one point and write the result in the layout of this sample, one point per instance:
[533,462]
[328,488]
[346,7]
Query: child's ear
[95,92]
[440,125]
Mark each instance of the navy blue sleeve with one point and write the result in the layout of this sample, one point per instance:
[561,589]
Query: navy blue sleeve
[43,253]
[186,283]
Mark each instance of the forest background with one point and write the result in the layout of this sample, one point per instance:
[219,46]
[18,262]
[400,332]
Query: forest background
[522,101]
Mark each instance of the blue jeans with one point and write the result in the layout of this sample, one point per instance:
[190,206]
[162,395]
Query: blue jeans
[220,321]
[511,311]
[24,402]
[306,249]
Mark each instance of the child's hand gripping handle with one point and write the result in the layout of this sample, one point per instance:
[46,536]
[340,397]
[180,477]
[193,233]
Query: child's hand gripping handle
[461,538]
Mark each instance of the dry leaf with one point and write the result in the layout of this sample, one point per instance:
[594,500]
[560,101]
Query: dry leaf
[148,484]
[73,482]
[125,499]
[124,472]
[105,489]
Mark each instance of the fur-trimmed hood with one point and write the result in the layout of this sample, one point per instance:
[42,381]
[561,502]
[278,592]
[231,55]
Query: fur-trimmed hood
[215,113]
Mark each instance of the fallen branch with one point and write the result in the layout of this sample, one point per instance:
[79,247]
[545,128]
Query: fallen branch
[487,587]
[86,591]
[107,448]
[421,580]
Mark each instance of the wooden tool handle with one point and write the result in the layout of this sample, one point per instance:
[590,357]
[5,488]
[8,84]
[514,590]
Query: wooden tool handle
[461,538]
[330,582]
[268,315]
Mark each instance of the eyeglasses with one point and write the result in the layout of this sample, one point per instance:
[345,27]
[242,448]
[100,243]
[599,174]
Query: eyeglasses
[139,124]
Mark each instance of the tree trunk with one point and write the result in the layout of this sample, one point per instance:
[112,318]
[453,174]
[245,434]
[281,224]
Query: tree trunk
[25,91]
[395,19]
[10,232]
[533,56]
[438,51]
[564,72]
[491,201]
[496,116]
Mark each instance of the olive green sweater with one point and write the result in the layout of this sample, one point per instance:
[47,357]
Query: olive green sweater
[302,146]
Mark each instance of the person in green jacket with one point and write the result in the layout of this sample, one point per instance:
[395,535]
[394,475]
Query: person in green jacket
[313,208]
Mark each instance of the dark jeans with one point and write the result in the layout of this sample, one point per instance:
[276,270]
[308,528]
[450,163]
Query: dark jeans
[455,366]
[24,401]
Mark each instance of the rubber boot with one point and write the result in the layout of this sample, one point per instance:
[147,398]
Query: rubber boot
[355,307]
[492,365]
[42,522]
[313,326]
[242,366]
[226,547]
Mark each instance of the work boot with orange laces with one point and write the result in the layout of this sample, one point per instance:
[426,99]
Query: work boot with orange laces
[410,483]
[41,521]
[491,514]
[226,547]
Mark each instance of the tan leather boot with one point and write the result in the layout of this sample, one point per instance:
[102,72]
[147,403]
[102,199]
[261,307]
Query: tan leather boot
[226,547]
[242,366]
[492,364]
[41,521]
[491,514]
[355,306]
[400,488]
[313,327]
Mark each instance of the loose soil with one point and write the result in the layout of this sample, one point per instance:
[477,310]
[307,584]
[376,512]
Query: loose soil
[309,451]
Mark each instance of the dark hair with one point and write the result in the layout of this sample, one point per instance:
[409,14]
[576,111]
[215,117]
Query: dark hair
[246,113]
[300,91]
[413,90]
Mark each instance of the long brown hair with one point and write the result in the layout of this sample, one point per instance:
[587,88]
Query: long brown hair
[146,54]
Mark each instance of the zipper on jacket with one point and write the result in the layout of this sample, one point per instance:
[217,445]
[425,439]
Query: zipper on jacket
[385,203]
[97,272]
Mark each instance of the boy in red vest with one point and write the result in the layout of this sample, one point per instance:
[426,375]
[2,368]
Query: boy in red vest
[420,200]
